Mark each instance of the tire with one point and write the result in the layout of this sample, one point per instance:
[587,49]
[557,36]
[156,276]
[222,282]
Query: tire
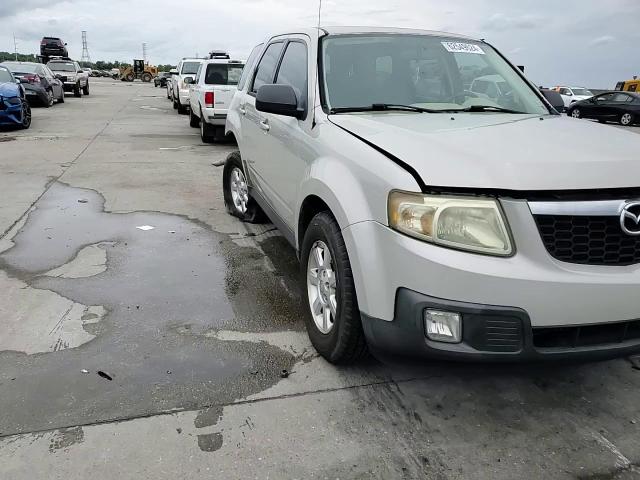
[85,89]
[246,210]
[26,116]
[575,113]
[627,119]
[602,120]
[168,94]
[146,77]
[341,341]
[77,91]
[207,132]
[50,100]
[193,120]
[182,110]
[175,102]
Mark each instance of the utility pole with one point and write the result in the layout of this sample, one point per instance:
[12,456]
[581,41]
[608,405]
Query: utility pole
[86,58]
[15,46]
[144,53]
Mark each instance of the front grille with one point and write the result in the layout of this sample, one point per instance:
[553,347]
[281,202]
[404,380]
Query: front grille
[587,335]
[590,240]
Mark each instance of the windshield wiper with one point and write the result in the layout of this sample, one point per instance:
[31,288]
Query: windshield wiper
[382,107]
[483,108]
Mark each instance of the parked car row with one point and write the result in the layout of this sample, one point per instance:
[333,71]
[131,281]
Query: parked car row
[203,88]
[26,84]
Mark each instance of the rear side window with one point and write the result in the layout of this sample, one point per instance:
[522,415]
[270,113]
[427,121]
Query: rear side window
[223,74]
[267,66]
[5,75]
[249,66]
[293,70]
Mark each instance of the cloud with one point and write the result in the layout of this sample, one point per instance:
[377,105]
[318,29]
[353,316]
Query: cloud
[9,8]
[500,22]
[603,40]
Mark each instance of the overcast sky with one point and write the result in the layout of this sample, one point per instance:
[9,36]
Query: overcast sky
[573,42]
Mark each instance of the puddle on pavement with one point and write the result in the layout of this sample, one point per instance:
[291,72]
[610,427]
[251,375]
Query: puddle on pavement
[164,290]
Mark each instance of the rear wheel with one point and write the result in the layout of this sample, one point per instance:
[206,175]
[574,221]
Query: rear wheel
[236,192]
[333,319]
[146,77]
[77,91]
[48,102]
[207,132]
[626,119]
[130,77]
[194,121]
[26,115]
[576,113]
[85,89]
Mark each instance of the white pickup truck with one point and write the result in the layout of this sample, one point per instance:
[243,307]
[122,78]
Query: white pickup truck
[210,95]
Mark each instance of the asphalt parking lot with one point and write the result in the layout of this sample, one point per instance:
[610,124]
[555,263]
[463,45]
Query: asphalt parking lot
[146,334]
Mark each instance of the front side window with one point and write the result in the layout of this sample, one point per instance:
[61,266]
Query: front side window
[190,68]
[427,71]
[582,91]
[293,70]
[223,73]
[267,66]
[249,66]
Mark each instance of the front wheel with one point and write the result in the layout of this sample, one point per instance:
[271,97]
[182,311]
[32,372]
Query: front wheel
[333,318]
[49,100]
[85,89]
[146,77]
[576,113]
[626,119]
[236,192]
[77,91]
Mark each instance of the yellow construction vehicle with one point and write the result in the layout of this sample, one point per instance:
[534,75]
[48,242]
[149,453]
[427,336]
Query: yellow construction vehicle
[138,70]
[629,85]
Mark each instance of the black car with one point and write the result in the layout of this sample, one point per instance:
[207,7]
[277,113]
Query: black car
[161,79]
[620,107]
[53,46]
[40,84]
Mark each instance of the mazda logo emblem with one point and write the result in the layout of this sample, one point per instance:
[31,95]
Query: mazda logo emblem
[630,218]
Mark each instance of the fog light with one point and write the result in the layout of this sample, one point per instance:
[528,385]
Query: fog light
[443,326]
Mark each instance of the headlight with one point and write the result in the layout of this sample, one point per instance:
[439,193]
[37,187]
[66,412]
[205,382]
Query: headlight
[464,223]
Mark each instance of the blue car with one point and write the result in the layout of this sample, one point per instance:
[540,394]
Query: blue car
[14,107]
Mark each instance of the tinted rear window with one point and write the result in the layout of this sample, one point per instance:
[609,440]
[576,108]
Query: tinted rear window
[223,74]
[61,67]
[22,67]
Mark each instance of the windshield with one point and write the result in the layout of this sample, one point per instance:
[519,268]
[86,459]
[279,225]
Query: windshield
[436,73]
[61,67]
[21,67]
[223,74]
[582,91]
[190,68]
[5,76]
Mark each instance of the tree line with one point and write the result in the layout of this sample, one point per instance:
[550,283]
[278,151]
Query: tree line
[99,65]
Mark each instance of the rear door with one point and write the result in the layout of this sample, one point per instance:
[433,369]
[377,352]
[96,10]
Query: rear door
[252,121]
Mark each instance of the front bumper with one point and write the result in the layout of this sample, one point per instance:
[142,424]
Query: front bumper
[10,114]
[492,333]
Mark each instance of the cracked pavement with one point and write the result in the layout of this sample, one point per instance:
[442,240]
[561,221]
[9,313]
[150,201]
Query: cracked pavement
[195,319]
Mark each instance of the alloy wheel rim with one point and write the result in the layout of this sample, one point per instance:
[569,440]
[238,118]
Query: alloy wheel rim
[575,113]
[26,116]
[50,97]
[239,190]
[626,119]
[321,287]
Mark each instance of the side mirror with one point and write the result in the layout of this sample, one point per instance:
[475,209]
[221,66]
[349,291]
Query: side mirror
[17,80]
[279,100]
[188,80]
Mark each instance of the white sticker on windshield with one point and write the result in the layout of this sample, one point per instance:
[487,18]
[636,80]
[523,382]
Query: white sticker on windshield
[457,47]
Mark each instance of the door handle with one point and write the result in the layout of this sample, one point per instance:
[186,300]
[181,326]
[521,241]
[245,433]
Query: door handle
[242,110]
[264,125]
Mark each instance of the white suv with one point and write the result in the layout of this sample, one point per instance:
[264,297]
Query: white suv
[210,95]
[571,95]
[431,221]
[187,67]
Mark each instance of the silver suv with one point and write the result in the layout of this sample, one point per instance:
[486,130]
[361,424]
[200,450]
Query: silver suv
[431,220]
